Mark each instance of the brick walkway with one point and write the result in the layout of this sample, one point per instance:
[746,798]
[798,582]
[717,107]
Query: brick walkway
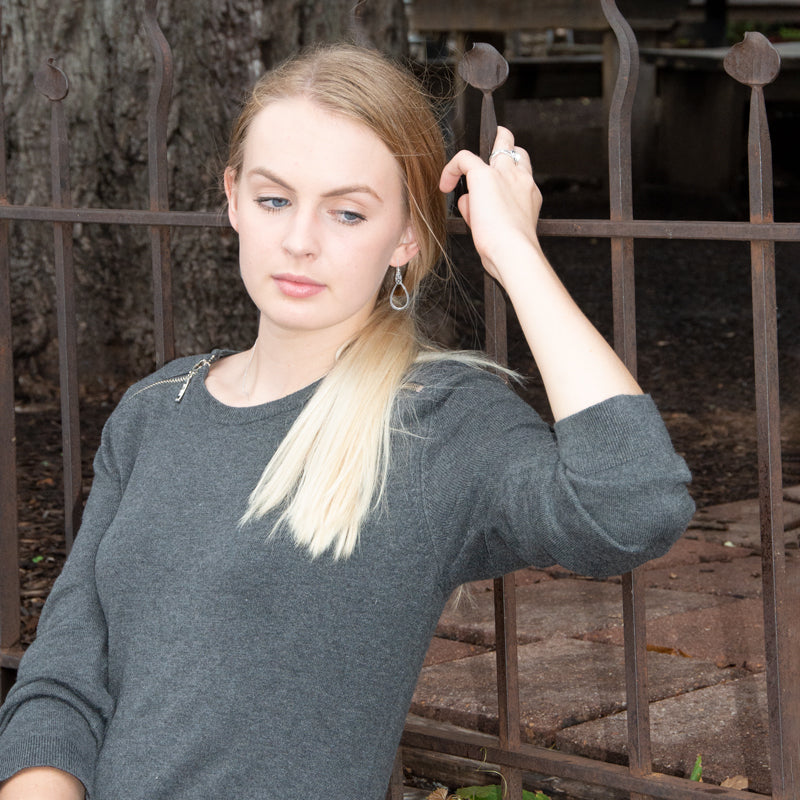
[705,661]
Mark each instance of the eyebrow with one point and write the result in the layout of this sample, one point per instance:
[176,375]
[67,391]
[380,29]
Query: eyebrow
[356,188]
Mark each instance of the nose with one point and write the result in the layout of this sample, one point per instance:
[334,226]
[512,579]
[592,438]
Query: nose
[300,238]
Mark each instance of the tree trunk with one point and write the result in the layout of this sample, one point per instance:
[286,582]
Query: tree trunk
[219,49]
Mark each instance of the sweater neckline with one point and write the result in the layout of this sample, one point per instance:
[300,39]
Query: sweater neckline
[222,413]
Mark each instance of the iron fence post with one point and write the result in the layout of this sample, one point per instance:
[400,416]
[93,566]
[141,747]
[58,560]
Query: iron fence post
[51,81]
[755,63]
[484,68]
[160,99]
[9,545]
[624,312]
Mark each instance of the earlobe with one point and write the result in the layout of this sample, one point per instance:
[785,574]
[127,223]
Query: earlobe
[406,250]
[233,200]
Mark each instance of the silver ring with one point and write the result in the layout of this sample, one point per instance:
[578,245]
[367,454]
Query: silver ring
[512,154]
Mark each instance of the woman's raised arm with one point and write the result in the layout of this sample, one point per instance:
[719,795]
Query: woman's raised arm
[578,367]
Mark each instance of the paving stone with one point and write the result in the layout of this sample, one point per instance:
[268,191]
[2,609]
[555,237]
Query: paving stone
[690,549]
[739,524]
[570,607]
[441,651]
[740,577]
[791,494]
[702,600]
[522,577]
[728,634]
[562,682]
[726,724]
[559,572]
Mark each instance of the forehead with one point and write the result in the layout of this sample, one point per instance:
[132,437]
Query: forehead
[296,136]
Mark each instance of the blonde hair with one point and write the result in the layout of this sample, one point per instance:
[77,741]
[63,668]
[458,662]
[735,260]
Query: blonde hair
[330,470]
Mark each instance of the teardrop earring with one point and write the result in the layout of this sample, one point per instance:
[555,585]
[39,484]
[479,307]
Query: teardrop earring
[405,296]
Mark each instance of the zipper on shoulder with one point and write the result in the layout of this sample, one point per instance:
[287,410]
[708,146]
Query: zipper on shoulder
[189,375]
[184,379]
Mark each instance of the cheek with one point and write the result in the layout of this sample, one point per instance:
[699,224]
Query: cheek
[375,260]
[253,264]
[257,241]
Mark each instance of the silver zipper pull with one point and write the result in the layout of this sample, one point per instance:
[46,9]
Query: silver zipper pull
[192,372]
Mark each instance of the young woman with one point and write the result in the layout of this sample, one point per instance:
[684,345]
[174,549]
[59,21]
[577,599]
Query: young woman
[271,535]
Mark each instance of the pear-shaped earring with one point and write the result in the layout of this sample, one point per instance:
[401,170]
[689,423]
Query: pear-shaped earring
[399,298]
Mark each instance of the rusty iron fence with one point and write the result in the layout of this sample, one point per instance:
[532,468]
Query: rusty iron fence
[754,63]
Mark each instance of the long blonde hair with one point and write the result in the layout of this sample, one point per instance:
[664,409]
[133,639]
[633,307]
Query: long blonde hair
[331,468]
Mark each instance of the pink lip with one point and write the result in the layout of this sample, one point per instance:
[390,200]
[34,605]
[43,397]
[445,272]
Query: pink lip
[297,285]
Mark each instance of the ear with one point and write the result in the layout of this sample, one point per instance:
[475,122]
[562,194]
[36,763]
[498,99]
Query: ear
[231,192]
[406,250]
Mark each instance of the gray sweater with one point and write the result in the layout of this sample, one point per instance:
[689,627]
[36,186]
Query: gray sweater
[183,656]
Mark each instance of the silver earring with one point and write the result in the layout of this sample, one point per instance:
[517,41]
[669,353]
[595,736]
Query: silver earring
[398,284]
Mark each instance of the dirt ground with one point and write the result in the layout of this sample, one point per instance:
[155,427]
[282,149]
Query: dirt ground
[695,357]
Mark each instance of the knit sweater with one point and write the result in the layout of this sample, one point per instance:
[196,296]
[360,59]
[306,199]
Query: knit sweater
[182,655]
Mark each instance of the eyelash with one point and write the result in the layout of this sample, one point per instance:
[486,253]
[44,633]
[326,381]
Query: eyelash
[265,203]
[340,215]
[357,218]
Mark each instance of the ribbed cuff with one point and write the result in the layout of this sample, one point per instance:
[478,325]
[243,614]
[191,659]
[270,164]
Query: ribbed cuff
[621,429]
[43,733]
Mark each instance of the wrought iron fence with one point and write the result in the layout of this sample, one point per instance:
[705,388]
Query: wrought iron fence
[754,63]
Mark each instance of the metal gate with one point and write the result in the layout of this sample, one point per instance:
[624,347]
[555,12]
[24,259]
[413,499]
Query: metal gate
[753,63]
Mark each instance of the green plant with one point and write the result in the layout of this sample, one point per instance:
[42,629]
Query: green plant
[774,31]
[789,34]
[495,793]
[697,770]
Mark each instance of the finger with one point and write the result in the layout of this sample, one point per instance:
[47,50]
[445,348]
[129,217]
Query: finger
[463,208]
[504,158]
[525,159]
[503,137]
[458,165]
[511,158]
[504,140]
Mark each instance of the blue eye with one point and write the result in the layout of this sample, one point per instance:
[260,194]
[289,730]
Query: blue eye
[272,203]
[350,217]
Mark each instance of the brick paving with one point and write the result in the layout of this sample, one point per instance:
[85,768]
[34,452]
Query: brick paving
[705,642]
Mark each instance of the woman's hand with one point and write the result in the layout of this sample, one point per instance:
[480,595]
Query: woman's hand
[502,207]
[42,783]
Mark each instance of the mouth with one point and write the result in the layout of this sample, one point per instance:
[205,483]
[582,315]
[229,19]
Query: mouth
[297,285]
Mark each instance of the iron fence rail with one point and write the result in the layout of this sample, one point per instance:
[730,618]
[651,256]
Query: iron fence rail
[754,64]
[707,230]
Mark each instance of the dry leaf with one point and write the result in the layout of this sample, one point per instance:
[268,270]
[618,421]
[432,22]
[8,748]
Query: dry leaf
[736,782]
[438,794]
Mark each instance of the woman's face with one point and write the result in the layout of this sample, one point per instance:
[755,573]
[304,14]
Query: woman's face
[320,212]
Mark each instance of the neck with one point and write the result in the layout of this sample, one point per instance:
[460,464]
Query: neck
[273,375]
[282,364]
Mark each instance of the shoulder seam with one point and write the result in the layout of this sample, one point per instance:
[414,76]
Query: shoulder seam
[424,506]
[184,376]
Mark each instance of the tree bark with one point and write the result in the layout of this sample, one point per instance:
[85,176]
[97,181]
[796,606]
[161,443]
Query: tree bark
[219,47]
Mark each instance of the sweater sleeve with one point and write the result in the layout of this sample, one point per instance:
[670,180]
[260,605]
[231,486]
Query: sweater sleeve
[55,714]
[599,493]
